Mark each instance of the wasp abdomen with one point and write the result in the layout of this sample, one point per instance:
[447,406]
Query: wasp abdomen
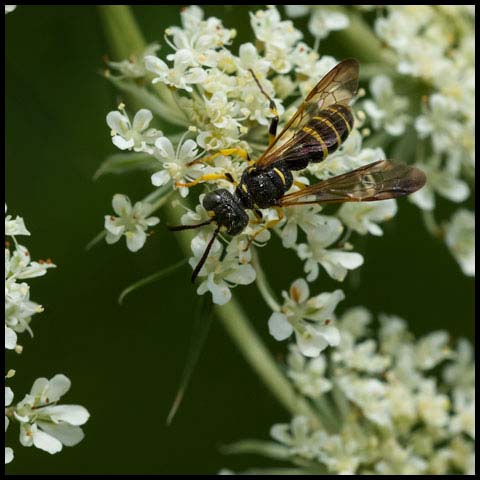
[330,128]
[322,135]
[262,188]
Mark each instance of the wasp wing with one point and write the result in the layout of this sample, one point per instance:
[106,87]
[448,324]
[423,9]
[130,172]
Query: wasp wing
[339,85]
[377,181]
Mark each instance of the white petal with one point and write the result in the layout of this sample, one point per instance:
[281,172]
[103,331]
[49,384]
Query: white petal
[331,335]
[349,260]
[160,178]
[188,150]
[243,275]
[374,229]
[151,221]
[299,291]
[110,238]
[165,148]
[45,442]
[220,292]
[121,143]
[8,455]
[136,240]
[68,435]
[118,123]
[121,204]
[10,338]
[39,386]
[423,198]
[111,226]
[279,326]
[142,120]
[8,396]
[59,385]
[72,414]
[311,345]
[155,65]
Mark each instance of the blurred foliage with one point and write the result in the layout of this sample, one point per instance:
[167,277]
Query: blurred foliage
[125,362]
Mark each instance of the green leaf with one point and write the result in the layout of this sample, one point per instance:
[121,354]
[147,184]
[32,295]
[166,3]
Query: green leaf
[119,163]
[150,279]
[148,100]
[261,447]
[203,320]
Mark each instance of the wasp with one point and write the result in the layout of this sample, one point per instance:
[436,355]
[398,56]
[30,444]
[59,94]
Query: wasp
[319,126]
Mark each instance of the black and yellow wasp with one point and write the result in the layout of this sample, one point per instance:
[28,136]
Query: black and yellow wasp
[319,126]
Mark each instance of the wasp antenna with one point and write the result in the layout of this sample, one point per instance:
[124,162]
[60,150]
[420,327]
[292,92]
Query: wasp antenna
[178,228]
[205,254]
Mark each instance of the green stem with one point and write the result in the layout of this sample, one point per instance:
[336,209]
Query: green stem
[263,285]
[123,35]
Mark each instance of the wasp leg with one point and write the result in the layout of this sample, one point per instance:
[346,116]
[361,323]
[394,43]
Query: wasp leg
[272,131]
[270,224]
[207,178]
[226,152]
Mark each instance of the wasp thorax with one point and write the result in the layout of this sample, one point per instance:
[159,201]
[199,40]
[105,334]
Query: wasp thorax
[226,211]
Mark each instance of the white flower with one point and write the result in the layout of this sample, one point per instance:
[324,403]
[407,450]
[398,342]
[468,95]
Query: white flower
[362,217]
[439,122]
[10,338]
[432,349]
[336,262]
[220,275]
[460,238]
[296,436]
[8,401]
[248,58]
[325,20]
[386,109]
[46,425]
[19,309]
[175,163]
[180,76]
[304,217]
[131,222]
[199,38]
[309,376]
[9,9]
[432,407]
[138,136]
[460,373]
[310,319]
[134,67]
[443,182]
[463,419]
[14,226]
[355,321]
[369,395]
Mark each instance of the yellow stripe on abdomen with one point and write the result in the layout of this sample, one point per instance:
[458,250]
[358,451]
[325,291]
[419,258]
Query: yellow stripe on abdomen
[318,138]
[330,125]
[342,116]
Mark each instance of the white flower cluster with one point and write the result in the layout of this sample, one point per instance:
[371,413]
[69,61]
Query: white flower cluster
[434,46]
[392,406]
[19,309]
[433,51]
[225,109]
[43,423]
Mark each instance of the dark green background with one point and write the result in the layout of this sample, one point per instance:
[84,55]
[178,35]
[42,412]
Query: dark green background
[125,362]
